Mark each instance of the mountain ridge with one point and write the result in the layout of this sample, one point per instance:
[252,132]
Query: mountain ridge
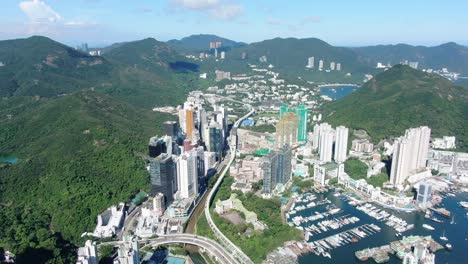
[200,42]
[400,98]
[447,55]
[145,73]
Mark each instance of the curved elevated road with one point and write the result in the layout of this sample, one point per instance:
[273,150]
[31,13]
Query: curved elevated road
[227,253]
[235,251]
[211,246]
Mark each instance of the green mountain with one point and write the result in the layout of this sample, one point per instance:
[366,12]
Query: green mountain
[452,56]
[150,73]
[78,154]
[400,98]
[146,73]
[79,141]
[290,55]
[41,66]
[201,42]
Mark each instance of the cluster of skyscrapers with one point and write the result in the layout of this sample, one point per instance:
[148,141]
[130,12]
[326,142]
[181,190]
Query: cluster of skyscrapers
[409,154]
[180,161]
[329,142]
[333,65]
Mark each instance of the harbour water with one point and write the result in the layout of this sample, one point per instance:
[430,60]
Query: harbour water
[337,92]
[457,233]
[11,160]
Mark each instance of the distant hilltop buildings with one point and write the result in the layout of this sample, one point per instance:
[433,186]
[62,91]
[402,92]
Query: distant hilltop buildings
[310,62]
[221,75]
[85,49]
[215,44]
[333,65]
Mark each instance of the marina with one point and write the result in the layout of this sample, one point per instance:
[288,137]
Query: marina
[400,248]
[323,246]
[391,220]
[339,244]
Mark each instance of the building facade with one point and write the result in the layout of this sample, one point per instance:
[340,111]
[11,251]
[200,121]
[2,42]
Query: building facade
[163,177]
[187,174]
[341,144]
[410,153]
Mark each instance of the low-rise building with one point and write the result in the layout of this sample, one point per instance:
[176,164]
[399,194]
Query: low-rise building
[444,143]
[88,254]
[375,168]
[181,208]
[361,147]
[448,162]
[110,221]
[323,173]
[248,170]
[147,223]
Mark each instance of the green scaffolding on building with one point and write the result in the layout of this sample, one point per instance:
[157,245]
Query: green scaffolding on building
[262,152]
[301,111]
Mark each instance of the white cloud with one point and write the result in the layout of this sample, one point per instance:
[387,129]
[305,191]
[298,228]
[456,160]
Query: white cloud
[273,21]
[220,9]
[44,20]
[39,12]
[79,23]
[196,4]
[227,12]
[311,19]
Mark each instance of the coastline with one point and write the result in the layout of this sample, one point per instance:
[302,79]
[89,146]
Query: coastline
[331,85]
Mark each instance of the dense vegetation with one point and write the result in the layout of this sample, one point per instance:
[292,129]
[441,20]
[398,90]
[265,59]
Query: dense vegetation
[150,73]
[401,98]
[256,244]
[378,180]
[261,128]
[448,55]
[146,73]
[77,157]
[356,169]
[41,66]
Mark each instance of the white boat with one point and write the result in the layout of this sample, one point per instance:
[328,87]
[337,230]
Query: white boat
[428,227]
[443,237]
[464,204]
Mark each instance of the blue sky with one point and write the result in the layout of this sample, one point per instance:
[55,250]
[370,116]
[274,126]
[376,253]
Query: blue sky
[345,22]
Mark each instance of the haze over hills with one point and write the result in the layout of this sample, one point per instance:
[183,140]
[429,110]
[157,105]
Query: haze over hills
[289,56]
[41,66]
[198,43]
[449,55]
[400,98]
